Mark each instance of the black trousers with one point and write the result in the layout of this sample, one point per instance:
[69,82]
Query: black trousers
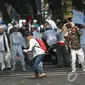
[63,56]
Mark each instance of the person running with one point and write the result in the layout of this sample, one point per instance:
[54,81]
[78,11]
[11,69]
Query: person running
[73,39]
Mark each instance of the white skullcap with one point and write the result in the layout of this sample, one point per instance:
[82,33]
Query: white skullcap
[0,18]
[34,21]
[23,20]
[41,26]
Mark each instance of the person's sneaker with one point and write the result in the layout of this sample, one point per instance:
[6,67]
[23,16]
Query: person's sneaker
[83,70]
[43,75]
[23,67]
[13,68]
[36,76]
[73,70]
[8,71]
[3,72]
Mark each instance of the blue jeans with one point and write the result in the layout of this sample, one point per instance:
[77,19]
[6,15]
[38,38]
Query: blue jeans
[35,66]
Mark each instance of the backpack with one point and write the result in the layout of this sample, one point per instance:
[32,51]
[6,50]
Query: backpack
[42,44]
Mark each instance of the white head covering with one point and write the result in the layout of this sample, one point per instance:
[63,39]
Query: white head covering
[34,21]
[10,26]
[41,26]
[23,20]
[20,23]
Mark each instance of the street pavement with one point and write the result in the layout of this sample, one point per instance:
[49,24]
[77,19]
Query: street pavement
[56,76]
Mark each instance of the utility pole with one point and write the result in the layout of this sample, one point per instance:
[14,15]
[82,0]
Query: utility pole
[39,11]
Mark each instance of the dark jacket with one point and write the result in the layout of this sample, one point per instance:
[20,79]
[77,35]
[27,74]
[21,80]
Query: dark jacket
[73,40]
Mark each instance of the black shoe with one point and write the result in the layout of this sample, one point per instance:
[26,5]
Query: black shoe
[67,65]
[8,71]
[3,72]
[59,66]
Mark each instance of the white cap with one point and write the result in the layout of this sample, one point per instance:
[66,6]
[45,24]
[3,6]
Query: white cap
[23,20]
[34,21]
[41,26]
[0,18]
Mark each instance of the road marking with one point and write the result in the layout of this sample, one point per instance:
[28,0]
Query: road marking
[72,76]
[30,75]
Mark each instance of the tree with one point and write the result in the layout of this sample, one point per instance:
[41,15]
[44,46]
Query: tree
[4,11]
[79,4]
[55,6]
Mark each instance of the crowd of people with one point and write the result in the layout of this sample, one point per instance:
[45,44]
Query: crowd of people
[18,39]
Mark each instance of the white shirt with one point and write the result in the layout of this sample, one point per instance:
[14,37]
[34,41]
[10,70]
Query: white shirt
[34,47]
[52,23]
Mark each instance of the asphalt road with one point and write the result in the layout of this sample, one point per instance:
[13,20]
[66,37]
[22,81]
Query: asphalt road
[56,76]
[52,79]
